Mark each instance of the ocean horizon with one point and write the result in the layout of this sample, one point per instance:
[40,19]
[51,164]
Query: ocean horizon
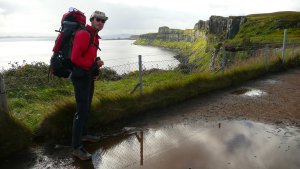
[114,53]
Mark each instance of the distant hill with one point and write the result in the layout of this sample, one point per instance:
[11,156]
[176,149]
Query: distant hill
[26,38]
[119,37]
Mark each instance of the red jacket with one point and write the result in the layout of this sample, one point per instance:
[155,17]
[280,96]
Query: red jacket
[84,55]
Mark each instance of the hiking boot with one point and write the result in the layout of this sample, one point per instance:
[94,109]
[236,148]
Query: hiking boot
[81,153]
[90,138]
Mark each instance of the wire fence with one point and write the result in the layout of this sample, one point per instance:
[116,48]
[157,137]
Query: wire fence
[22,79]
[265,55]
[28,77]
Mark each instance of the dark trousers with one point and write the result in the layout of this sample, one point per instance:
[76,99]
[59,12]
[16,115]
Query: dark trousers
[84,90]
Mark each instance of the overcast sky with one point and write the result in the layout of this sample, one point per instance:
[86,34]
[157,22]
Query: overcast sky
[42,17]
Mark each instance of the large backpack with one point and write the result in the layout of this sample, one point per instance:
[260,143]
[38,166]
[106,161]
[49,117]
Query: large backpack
[60,63]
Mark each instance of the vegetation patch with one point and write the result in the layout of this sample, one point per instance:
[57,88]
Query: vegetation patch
[13,137]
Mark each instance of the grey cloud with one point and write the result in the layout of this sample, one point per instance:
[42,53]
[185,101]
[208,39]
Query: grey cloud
[142,19]
[122,18]
[237,142]
[218,6]
[8,7]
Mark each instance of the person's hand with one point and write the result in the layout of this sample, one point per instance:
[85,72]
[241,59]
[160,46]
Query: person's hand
[95,77]
[100,63]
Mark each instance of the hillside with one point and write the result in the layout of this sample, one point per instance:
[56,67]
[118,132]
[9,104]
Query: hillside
[266,28]
[234,33]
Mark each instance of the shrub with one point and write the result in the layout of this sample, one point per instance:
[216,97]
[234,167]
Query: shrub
[109,74]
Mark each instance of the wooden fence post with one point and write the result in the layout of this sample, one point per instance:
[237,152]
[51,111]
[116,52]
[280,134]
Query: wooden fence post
[140,74]
[283,46]
[223,60]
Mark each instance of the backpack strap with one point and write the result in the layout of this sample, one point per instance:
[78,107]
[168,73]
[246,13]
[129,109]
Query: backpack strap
[92,39]
[91,42]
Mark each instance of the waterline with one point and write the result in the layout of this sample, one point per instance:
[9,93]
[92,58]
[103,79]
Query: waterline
[114,53]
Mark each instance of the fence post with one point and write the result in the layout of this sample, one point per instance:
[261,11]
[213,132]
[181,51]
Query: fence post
[266,56]
[223,60]
[3,99]
[140,74]
[284,45]
[212,60]
[293,54]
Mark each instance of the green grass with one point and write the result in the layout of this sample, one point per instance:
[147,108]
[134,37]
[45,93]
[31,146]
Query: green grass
[13,136]
[268,28]
[195,52]
[182,45]
[50,115]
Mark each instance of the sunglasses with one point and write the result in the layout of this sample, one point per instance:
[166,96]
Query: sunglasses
[100,20]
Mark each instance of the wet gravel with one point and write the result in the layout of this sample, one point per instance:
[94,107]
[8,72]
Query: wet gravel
[271,99]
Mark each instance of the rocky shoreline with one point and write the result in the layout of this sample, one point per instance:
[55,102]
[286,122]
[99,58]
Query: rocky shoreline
[181,59]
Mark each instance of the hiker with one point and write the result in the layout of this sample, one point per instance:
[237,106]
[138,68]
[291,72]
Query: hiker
[85,71]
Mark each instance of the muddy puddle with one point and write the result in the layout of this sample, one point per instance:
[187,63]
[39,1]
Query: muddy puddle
[226,144]
[205,145]
[249,92]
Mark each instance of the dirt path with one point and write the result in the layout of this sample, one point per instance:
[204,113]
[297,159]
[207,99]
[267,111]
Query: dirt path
[272,99]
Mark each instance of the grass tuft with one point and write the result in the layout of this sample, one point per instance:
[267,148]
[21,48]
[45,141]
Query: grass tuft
[14,136]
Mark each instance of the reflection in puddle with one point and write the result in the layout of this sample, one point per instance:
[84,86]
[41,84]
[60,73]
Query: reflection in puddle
[255,92]
[226,144]
[249,92]
[271,81]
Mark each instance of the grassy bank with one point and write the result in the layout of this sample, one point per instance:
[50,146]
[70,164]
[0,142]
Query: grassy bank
[268,28]
[161,89]
[47,112]
[14,136]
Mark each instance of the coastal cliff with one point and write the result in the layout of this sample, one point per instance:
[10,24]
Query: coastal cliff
[227,27]
[233,33]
